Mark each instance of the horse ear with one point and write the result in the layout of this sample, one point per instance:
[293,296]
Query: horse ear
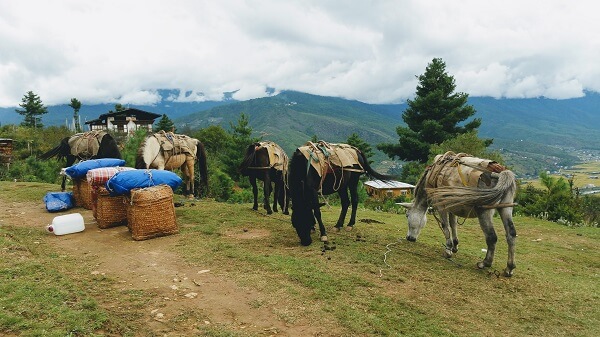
[406,204]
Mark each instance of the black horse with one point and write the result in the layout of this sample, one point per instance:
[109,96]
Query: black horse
[84,146]
[257,165]
[305,183]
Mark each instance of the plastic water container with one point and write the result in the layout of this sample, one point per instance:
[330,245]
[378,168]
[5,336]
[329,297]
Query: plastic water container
[66,224]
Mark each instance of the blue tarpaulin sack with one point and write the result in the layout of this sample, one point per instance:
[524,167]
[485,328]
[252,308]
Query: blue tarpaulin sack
[58,201]
[80,169]
[123,182]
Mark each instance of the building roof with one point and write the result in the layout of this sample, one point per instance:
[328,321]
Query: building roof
[390,184]
[123,114]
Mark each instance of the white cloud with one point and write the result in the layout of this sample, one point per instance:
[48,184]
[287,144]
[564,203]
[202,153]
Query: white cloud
[119,50]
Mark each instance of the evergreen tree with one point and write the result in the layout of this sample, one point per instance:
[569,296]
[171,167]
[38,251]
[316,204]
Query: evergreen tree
[433,116]
[360,144]
[165,124]
[76,105]
[33,109]
[241,137]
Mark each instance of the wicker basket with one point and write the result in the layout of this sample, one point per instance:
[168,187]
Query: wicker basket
[151,213]
[110,211]
[82,193]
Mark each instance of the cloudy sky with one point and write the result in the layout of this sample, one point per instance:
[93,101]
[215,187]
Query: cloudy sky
[104,51]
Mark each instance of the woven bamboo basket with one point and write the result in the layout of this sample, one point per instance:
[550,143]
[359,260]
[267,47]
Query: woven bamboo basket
[82,193]
[110,211]
[151,213]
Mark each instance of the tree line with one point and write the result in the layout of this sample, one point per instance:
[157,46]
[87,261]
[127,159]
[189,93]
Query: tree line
[438,119]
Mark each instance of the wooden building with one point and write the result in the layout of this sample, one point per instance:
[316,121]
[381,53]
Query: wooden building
[126,121]
[390,189]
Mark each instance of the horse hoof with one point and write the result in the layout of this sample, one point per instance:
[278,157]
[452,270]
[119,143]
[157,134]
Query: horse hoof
[349,228]
[324,238]
[336,229]
[447,253]
[481,265]
[508,272]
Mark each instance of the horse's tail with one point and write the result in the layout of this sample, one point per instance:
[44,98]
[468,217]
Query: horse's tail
[364,161]
[248,159]
[62,150]
[140,163]
[457,197]
[202,165]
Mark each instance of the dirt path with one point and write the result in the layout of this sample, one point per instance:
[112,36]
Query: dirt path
[177,288]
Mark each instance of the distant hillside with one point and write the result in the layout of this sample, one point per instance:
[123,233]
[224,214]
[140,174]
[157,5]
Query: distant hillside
[292,118]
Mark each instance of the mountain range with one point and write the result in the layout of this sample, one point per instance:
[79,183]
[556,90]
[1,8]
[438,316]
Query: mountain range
[532,134]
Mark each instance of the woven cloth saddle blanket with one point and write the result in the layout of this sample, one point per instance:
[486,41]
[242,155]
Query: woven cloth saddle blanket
[85,145]
[460,169]
[324,157]
[278,159]
[172,144]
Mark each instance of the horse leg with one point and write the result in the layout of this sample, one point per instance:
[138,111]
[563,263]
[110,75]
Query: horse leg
[444,219]
[70,162]
[454,233]
[189,190]
[353,187]
[267,192]
[275,195]
[487,226]
[343,193]
[322,231]
[511,238]
[254,192]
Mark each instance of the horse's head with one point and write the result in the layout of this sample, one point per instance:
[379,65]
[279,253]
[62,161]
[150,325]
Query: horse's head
[417,218]
[303,221]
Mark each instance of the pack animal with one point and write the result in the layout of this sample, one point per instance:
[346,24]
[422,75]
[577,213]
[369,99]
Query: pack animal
[84,146]
[266,161]
[169,151]
[459,185]
[323,168]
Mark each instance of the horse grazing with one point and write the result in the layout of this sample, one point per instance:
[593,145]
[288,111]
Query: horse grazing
[268,162]
[169,151]
[84,146]
[325,168]
[462,185]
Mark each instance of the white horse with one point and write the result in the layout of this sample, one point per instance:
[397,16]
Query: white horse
[168,151]
[465,186]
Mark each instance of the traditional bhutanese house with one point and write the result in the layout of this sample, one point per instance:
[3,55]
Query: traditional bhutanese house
[126,121]
[388,189]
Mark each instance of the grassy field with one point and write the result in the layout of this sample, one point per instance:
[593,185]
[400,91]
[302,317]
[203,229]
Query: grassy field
[373,283]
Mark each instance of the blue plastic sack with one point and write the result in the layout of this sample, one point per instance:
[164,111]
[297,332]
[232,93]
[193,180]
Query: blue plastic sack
[59,201]
[80,169]
[123,182]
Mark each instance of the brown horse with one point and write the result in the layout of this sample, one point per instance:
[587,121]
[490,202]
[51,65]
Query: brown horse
[268,162]
[469,187]
[84,146]
[168,151]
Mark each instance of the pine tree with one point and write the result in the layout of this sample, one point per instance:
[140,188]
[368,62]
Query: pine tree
[76,105]
[165,124]
[33,109]
[433,116]
[360,144]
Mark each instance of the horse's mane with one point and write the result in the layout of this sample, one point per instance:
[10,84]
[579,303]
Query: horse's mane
[248,157]
[139,157]
[420,193]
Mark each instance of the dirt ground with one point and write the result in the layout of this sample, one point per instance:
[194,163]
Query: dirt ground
[178,288]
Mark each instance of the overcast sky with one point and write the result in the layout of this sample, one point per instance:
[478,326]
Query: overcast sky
[122,51]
